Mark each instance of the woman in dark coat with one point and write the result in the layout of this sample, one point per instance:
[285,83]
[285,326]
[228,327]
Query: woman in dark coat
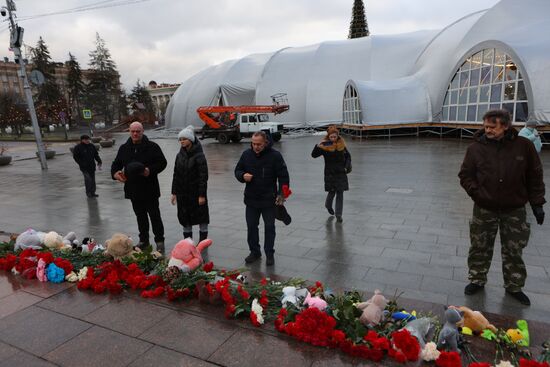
[337,166]
[189,185]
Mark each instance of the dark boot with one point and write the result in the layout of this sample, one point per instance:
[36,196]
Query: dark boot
[520,296]
[188,235]
[472,288]
[203,235]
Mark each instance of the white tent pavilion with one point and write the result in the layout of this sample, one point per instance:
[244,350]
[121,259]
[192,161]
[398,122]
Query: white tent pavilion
[495,58]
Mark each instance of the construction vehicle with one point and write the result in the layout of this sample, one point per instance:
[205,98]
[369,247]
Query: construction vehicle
[232,123]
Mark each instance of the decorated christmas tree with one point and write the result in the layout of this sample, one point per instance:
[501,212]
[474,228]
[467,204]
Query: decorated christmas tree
[358,26]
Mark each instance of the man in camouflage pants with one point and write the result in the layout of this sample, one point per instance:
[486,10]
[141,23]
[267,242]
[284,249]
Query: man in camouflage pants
[501,172]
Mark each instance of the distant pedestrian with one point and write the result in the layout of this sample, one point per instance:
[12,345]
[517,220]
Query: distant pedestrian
[337,166]
[189,185]
[501,172]
[137,165]
[86,155]
[261,167]
[530,132]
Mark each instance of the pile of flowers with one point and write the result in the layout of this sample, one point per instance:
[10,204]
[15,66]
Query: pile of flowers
[335,326]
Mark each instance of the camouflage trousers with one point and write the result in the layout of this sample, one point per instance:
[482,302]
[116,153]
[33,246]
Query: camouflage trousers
[514,235]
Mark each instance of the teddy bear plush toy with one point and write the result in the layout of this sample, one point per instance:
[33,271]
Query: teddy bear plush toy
[119,246]
[475,321]
[186,256]
[373,309]
[30,239]
[54,241]
[422,328]
[449,336]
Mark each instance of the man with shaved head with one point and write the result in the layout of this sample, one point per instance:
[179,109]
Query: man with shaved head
[137,165]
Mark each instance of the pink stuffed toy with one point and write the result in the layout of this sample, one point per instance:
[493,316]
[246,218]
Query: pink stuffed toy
[186,256]
[316,302]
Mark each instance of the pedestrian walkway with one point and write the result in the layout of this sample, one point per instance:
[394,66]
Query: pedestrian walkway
[405,219]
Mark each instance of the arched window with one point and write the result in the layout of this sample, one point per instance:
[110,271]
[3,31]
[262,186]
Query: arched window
[352,107]
[487,80]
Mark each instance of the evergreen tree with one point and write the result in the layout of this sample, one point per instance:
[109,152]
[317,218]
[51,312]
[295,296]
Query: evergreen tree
[140,94]
[103,88]
[48,97]
[122,104]
[75,86]
[358,26]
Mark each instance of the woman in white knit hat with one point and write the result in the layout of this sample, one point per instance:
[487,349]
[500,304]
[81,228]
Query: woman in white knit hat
[189,185]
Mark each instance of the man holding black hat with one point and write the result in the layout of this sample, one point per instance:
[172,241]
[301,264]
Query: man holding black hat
[137,165]
[86,155]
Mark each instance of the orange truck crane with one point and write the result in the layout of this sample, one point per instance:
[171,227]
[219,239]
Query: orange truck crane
[232,123]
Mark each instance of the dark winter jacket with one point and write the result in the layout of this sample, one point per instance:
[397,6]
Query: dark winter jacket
[504,174]
[148,153]
[188,183]
[86,155]
[267,168]
[337,166]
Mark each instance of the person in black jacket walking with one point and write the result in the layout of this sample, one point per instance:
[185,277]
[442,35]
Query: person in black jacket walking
[189,185]
[337,166]
[137,165]
[86,155]
[260,168]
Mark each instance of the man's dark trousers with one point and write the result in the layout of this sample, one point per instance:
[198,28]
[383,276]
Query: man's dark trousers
[252,222]
[145,209]
[89,182]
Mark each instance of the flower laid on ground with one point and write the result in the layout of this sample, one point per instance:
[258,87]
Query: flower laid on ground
[430,352]
[449,359]
[256,311]
[71,277]
[479,364]
[523,362]
[504,364]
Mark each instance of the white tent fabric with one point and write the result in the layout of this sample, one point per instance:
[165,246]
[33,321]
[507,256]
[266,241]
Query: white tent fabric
[412,70]
[393,101]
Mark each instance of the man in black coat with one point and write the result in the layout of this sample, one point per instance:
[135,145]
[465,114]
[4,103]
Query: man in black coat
[86,155]
[137,165]
[260,168]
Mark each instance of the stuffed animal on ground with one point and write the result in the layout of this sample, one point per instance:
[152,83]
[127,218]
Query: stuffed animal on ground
[475,321]
[186,256]
[30,239]
[243,279]
[54,241]
[404,315]
[289,296]
[70,240]
[422,328]
[449,335]
[119,246]
[519,336]
[316,302]
[373,309]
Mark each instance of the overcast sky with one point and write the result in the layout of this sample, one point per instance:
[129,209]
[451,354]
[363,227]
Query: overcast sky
[170,40]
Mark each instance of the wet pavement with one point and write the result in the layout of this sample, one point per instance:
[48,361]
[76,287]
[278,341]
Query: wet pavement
[405,223]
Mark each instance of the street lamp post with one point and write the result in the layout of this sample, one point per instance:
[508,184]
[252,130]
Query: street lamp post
[16,40]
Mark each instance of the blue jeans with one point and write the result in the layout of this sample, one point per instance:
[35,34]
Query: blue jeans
[252,222]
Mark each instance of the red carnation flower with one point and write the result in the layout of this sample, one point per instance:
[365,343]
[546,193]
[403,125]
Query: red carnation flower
[530,363]
[479,364]
[208,267]
[448,359]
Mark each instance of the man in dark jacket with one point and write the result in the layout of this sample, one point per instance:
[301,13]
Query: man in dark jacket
[501,172]
[137,165]
[260,168]
[86,155]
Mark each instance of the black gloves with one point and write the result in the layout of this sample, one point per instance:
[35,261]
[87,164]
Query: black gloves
[538,212]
